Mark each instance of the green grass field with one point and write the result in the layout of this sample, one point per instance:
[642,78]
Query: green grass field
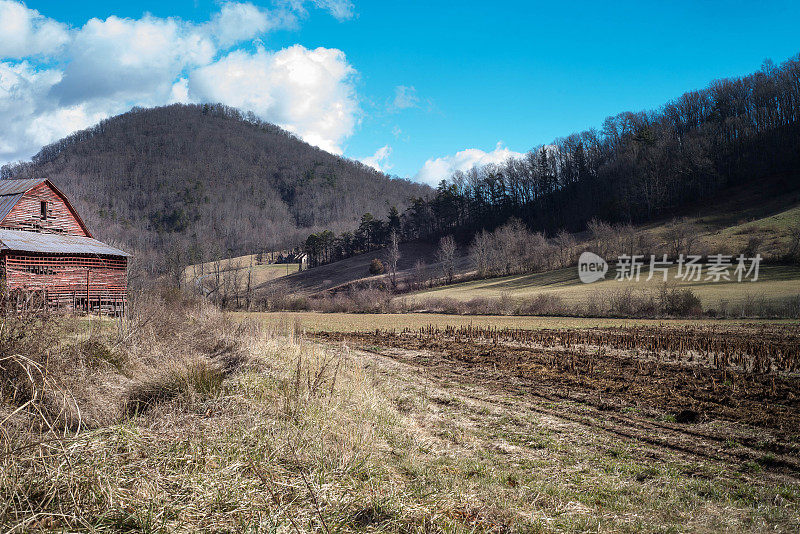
[774,282]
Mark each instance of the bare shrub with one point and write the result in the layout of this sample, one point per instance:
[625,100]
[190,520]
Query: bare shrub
[681,236]
[565,244]
[630,302]
[753,247]
[545,304]
[376,266]
[680,302]
[603,237]
[793,246]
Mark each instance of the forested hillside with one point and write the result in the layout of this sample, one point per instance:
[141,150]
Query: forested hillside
[638,167]
[183,184]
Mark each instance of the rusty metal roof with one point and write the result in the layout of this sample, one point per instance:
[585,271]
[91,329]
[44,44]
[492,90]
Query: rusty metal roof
[7,203]
[12,190]
[17,187]
[24,241]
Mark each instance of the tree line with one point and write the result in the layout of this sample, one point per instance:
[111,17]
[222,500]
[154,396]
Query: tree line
[638,166]
[185,184]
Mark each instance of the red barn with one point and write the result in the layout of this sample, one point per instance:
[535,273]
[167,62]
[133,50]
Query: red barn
[46,251]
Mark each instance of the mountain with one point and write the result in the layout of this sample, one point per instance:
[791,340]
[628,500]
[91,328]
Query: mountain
[189,183]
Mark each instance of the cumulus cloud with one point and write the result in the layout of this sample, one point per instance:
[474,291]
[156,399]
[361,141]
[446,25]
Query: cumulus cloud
[28,121]
[126,59]
[438,169]
[379,160]
[109,65]
[25,32]
[308,92]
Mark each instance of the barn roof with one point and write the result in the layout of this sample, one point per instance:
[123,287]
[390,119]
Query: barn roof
[15,187]
[24,241]
[12,189]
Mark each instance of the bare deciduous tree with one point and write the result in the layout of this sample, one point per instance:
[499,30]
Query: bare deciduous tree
[680,235]
[565,243]
[446,254]
[392,257]
[480,252]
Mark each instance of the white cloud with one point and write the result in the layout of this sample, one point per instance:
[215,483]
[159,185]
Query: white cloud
[340,9]
[404,97]
[107,66]
[130,60]
[379,160]
[25,32]
[238,22]
[28,120]
[308,92]
[436,170]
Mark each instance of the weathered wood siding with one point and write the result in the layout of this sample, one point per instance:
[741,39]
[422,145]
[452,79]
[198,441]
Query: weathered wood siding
[67,280]
[27,214]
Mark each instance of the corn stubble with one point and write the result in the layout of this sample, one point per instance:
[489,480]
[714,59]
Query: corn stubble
[180,418]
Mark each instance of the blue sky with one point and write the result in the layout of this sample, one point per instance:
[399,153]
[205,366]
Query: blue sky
[416,88]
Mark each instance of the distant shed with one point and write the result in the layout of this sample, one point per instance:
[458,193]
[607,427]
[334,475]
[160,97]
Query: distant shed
[46,251]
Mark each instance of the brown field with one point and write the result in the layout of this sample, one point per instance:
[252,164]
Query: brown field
[368,322]
[184,420]
[711,404]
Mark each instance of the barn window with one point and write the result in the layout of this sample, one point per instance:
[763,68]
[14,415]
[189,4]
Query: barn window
[43,205]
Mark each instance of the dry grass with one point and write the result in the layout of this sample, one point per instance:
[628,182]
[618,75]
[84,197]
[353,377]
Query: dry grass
[193,422]
[238,267]
[369,322]
[775,282]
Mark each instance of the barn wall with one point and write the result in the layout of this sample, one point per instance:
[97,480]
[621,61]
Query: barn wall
[26,214]
[69,280]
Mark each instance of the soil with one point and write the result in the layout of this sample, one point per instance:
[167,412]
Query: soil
[726,416]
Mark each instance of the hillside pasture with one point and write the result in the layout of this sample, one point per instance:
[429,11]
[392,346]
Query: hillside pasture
[355,270]
[237,269]
[775,282]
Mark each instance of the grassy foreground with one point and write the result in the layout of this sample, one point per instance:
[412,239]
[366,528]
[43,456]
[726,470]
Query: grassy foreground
[190,421]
